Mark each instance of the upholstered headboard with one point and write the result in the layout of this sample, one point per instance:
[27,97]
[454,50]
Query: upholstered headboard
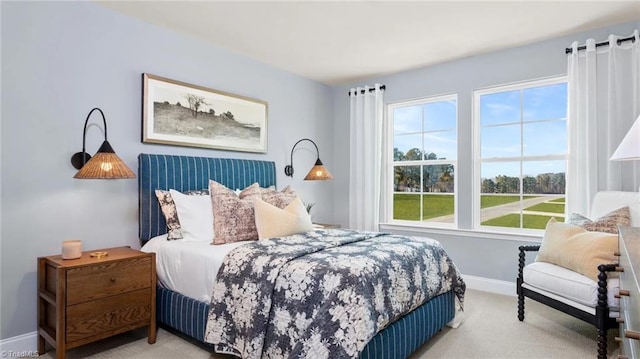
[184,173]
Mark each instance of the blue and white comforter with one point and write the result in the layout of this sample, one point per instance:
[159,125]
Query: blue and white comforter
[322,294]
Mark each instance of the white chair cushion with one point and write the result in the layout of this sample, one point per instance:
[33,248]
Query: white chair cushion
[569,284]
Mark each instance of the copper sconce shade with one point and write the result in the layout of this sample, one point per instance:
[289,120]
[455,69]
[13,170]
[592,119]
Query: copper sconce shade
[317,172]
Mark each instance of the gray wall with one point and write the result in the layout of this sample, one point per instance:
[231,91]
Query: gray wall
[475,254]
[61,59]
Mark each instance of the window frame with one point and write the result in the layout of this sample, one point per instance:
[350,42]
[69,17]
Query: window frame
[477,155]
[389,191]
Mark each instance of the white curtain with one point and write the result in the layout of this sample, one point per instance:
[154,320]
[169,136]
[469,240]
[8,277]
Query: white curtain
[365,173]
[604,101]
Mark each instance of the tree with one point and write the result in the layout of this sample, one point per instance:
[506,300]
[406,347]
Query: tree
[227,115]
[397,154]
[529,185]
[488,186]
[430,156]
[413,154]
[195,102]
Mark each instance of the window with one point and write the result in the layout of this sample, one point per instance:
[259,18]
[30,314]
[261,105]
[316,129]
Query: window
[424,160]
[521,150]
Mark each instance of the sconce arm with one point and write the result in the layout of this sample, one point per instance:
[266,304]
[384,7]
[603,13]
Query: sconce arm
[288,169]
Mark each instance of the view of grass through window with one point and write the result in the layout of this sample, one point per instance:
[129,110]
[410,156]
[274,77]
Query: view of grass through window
[521,156]
[424,159]
[406,207]
[523,146]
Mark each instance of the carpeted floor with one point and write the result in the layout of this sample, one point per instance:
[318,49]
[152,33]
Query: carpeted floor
[490,330]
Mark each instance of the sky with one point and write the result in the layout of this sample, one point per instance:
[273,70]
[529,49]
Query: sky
[527,122]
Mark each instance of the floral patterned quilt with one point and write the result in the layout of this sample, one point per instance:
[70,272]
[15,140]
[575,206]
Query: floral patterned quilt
[322,294]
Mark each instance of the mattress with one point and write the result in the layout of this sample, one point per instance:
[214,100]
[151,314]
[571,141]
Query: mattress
[188,268]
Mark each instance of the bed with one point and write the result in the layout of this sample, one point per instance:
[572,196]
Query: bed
[189,313]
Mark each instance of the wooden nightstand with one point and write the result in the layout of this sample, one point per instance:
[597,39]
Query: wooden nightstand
[86,299]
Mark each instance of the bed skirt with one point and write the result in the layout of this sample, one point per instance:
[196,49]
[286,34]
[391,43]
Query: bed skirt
[398,340]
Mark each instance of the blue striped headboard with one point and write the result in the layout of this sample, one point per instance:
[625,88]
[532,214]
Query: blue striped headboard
[184,173]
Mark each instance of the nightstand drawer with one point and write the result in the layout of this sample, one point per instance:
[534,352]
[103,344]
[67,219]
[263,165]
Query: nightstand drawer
[105,317]
[630,303]
[111,278]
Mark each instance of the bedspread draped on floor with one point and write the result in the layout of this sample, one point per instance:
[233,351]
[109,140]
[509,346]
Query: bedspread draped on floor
[323,294]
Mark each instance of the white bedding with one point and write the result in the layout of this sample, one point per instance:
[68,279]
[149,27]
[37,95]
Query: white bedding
[189,268]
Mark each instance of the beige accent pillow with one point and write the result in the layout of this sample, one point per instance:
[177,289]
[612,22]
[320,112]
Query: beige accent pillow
[272,221]
[608,223]
[576,248]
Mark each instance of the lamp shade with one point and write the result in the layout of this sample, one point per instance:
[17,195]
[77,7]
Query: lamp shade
[629,148]
[105,164]
[318,172]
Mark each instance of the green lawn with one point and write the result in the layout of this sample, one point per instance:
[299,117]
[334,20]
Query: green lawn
[488,200]
[547,207]
[407,207]
[532,221]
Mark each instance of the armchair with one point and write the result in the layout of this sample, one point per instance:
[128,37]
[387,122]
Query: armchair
[571,292]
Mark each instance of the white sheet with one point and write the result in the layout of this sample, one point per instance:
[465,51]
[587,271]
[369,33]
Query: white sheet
[189,268]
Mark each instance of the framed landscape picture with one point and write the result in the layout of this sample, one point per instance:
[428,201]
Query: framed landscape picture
[182,114]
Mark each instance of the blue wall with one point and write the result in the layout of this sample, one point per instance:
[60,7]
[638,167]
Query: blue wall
[61,59]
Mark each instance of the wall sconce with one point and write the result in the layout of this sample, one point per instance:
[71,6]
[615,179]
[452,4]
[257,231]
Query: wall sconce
[105,164]
[317,172]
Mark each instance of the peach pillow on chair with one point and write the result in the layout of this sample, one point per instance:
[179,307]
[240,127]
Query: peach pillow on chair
[577,249]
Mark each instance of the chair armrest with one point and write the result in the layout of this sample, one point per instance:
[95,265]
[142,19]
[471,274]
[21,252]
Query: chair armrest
[521,257]
[602,282]
[602,307]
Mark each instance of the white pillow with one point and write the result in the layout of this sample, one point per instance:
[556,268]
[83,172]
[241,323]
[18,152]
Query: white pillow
[272,221]
[195,215]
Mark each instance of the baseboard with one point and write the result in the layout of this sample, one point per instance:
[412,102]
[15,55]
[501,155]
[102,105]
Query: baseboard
[26,344]
[490,285]
[21,346]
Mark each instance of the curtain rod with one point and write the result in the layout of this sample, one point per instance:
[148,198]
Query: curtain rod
[569,50]
[370,90]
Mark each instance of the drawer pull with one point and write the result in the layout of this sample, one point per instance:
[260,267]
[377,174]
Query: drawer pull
[619,269]
[619,320]
[617,254]
[113,280]
[617,339]
[622,293]
[632,334]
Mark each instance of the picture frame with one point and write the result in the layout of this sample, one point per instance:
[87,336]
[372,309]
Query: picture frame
[182,114]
